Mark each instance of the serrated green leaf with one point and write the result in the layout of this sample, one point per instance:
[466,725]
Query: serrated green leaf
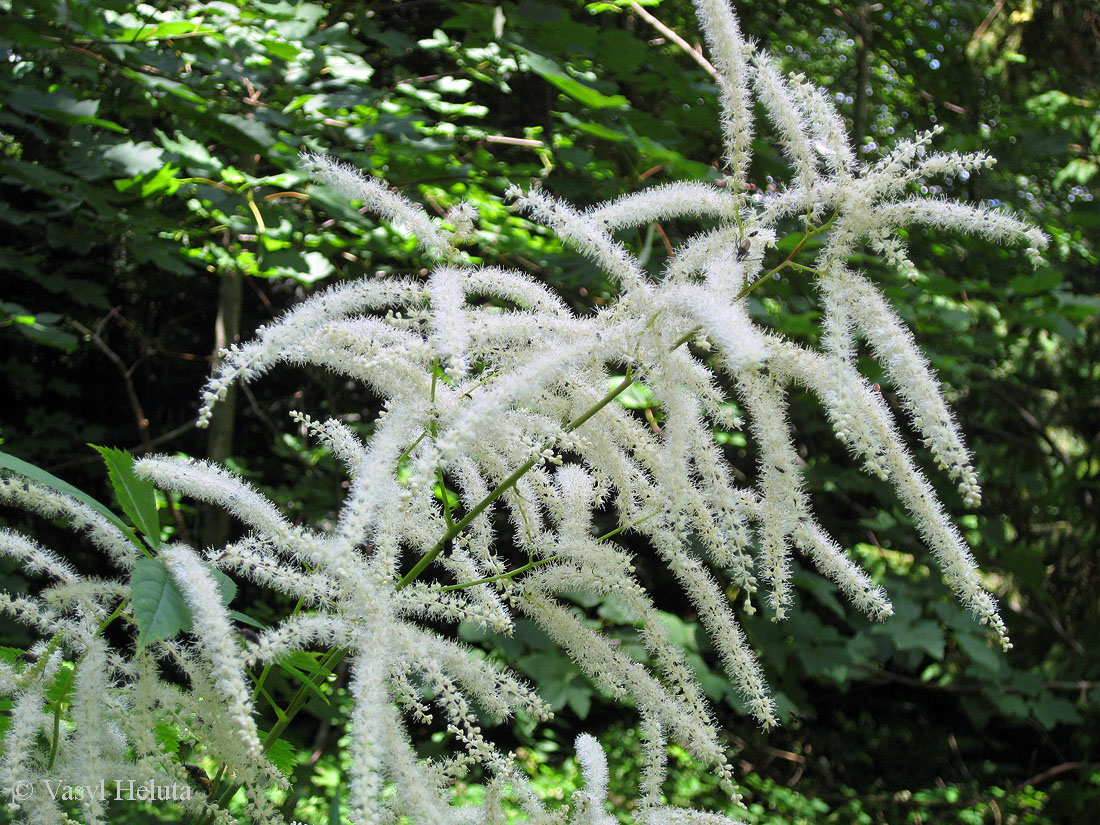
[226,586]
[922,635]
[282,754]
[822,589]
[281,49]
[160,610]
[17,465]
[135,495]
[1042,281]
[979,651]
[62,683]
[135,158]
[1011,704]
[188,149]
[168,736]
[681,632]
[594,129]
[580,701]
[1050,711]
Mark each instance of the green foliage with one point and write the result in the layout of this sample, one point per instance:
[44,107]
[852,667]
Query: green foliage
[135,496]
[23,468]
[160,611]
[150,155]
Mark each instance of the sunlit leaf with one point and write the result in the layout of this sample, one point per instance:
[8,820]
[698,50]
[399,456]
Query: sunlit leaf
[136,496]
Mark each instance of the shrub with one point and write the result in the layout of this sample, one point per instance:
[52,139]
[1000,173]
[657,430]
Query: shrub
[499,442]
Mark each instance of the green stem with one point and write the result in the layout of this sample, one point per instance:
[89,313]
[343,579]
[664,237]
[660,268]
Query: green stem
[279,712]
[44,659]
[257,691]
[809,269]
[260,681]
[510,482]
[501,576]
[218,778]
[687,336]
[480,383]
[533,563]
[444,494]
[56,732]
[789,260]
[55,642]
[520,471]
[411,447]
[615,392]
[117,612]
[325,668]
[60,703]
[618,530]
[333,657]
[267,668]
[462,524]
[424,434]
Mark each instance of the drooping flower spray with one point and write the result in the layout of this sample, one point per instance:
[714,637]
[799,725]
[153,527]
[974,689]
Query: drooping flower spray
[512,409]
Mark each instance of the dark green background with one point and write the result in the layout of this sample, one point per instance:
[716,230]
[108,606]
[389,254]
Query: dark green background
[141,147]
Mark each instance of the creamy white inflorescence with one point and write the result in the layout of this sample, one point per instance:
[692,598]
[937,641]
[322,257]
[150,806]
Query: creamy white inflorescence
[525,387]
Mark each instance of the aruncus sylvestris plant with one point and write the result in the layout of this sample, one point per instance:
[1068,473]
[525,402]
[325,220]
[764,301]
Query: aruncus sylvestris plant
[511,412]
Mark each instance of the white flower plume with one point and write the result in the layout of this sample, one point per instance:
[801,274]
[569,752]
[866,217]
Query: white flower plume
[526,384]
[497,395]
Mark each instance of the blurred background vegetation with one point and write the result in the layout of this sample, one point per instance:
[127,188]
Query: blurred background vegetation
[153,210]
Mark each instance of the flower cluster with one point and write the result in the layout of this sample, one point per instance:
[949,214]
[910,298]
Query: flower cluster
[115,700]
[511,408]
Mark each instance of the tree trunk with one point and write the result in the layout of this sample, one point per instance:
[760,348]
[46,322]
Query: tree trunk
[214,521]
[861,24]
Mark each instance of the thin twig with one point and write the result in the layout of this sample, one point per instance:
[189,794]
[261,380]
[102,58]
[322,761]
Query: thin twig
[131,393]
[514,141]
[135,403]
[1050,773]
[993,12]
[675,38]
